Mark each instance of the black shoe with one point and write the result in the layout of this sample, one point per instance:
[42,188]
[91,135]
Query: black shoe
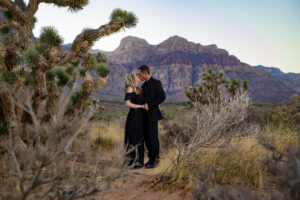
[138,165]
[150,165]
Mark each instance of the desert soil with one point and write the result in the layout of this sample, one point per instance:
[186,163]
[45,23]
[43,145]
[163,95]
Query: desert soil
[142,184]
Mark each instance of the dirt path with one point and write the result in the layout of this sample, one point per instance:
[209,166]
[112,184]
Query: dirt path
[140,184]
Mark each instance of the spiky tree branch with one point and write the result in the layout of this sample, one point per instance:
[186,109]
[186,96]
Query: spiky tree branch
[74,5]
[119,20]
[48,68]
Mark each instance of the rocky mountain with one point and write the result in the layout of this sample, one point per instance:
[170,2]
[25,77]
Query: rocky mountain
[292,80]
[178,62]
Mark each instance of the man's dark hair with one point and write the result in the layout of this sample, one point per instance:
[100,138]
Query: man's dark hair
[144,68]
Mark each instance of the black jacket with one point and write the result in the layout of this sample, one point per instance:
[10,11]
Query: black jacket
[154,95]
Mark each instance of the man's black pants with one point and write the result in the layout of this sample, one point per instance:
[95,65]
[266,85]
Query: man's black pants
[151,139]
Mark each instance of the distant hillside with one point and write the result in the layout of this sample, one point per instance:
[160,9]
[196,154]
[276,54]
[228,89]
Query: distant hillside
[178,62]
[292,80]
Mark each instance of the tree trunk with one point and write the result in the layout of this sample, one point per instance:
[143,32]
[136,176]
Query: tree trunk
[9,110]
[54,92]
[87,91]
[39,99]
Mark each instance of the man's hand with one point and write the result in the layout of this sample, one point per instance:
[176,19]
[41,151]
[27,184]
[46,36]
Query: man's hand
[146,107]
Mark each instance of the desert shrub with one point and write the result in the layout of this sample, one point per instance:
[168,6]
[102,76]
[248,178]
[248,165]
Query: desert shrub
[51,158]
[287,114]
[225,141]
[167,116]
[200,140]
[283,160]
[218,144]
[215,123]
[107,135]
[280,139]
[259,113]
[239,162]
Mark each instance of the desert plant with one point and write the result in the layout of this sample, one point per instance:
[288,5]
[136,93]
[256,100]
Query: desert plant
[42,65]
[283,161]
[209,92]
[214,122]
[52,159]
[201,137]
[206,133]
[108,135]
[43,108]
[218,147]
[287,114]
[234,87]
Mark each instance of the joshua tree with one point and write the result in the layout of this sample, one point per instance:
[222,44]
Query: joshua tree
[41,64]
[211,82]
[234,86]
[44,105]
[208,92]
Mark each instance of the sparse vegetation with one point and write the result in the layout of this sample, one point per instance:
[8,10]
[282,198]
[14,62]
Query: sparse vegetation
[107,135]
[287,114]
[218,146]
[45,110]
[53,134]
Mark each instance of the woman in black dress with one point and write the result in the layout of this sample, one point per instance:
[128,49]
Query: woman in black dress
[134,129]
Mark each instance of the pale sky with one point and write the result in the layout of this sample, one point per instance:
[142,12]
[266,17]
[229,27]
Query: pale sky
[257,32]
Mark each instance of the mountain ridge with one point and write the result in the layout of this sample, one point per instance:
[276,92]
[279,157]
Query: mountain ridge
[178,62]
[290,79]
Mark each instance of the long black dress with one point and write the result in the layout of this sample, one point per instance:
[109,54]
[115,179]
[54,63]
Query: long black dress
[134,131]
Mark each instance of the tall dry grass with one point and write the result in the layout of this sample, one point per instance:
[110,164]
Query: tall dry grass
[108,135]
[240,162]
[280,138]
[219,147]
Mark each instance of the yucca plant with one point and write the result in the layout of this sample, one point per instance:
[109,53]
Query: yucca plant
[234,87]
[35,76]
[209,91]
[48,67]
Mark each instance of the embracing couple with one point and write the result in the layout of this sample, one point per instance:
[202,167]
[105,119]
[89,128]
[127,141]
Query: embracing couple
[142,119]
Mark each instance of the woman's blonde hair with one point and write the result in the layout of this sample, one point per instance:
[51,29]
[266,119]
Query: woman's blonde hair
[130,82]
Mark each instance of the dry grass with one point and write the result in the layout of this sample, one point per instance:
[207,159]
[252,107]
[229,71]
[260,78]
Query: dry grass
[240,162]
[107,135]
[281,138]
[219,146]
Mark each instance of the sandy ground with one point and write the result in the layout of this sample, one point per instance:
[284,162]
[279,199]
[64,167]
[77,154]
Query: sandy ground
[140,184]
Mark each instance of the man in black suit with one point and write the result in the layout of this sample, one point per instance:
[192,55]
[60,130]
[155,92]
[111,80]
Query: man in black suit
[154,95]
